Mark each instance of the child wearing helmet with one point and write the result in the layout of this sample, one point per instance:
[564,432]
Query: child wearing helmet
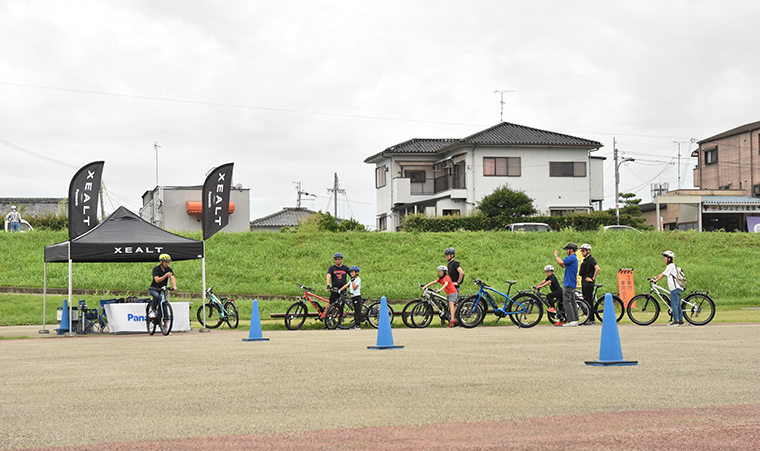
[671,272]
[354,287]
[161,276]
[555,289]
[337,276]
[451,292]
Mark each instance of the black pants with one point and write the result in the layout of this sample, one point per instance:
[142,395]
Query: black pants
[587,288]
[553,297]
[357,301]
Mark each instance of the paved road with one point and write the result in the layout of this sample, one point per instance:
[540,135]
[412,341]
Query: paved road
[88,390]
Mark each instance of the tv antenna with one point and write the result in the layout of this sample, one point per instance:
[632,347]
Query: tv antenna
[301,193]
[156,147]
[501,101]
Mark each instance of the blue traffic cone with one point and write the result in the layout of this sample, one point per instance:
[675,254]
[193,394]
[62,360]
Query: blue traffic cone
[384,333]
[255,332]
[64,319]
[610,352]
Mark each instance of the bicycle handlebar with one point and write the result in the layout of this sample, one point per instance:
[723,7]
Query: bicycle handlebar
[305,288]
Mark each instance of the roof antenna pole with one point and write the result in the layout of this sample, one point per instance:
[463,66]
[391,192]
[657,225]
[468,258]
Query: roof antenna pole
[156,147]
[335,190]
[301,193]
[501,101]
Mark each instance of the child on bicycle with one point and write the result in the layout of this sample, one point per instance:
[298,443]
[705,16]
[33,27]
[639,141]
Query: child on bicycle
[671,272]
[354,287]
[555,288]
[451,292]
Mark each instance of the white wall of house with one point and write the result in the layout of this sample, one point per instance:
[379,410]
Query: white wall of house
[167,208]
[399,196]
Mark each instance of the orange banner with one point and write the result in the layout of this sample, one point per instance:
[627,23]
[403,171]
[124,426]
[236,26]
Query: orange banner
[625,285]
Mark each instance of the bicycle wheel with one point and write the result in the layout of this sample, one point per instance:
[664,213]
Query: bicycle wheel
[348,319]
[470,312]
[527,315]
[213,315]
[643,309]
[295,316]
[373,314]
[619,308]
[422,315]
[698,309]
[151,324]
[583,311]
[406,313]
[332,317]
[232,315]
[167,319]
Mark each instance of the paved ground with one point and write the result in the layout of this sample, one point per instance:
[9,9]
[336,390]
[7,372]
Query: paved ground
[310,386]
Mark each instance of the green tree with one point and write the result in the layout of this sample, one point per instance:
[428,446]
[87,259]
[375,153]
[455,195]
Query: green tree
[630,211]
[507,203]
[325,222]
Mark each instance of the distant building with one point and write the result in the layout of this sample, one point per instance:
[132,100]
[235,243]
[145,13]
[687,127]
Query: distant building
[703,210]
[178,208]
[33,205]
[730,160]
[450,176]
[287,217]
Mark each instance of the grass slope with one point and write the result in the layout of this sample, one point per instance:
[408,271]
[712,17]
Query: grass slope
[393,264]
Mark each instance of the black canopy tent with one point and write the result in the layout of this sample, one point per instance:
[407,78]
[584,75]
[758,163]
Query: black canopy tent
[123,237]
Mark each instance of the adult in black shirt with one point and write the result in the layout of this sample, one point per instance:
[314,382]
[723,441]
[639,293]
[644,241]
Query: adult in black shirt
[337,276]
[161,276]
[455,269]
[588,272]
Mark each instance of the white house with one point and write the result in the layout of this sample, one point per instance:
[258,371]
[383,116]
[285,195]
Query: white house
[450,176]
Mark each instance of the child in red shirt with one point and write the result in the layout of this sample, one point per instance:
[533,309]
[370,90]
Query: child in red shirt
[451,292]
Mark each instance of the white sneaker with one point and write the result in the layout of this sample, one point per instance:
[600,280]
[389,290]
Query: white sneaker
[570,324]
[152,314]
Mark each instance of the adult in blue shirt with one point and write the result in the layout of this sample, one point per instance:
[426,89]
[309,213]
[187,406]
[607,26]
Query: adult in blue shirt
[569,283]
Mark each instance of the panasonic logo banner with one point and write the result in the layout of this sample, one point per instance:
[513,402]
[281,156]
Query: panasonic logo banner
[136,318]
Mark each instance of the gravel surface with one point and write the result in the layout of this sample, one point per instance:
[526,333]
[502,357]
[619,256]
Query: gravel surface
[89,390]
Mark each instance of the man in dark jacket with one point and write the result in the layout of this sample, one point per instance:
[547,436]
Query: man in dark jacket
[588,272]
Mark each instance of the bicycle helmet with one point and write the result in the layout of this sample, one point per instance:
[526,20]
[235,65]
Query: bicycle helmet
[450,251]
[443,268]
[165,258]
[586,246]
[13,207]
[353,268]
[337,255]
[572,246]
[548,268]
[669,254]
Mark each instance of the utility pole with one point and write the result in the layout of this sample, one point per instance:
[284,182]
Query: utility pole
[156,147]
[335,190]
[617,178]
[678,143]
[501,93]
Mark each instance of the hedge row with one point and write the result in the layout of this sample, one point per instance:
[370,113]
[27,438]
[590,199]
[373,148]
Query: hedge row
[480,222]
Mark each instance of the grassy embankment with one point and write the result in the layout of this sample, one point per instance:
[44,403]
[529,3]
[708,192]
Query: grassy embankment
[392,264]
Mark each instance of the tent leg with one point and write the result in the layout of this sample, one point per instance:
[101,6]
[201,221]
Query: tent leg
[203,295]
[44,301]
[70,332]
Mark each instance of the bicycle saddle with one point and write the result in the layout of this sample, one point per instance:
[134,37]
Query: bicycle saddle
[511,282]
[599,285]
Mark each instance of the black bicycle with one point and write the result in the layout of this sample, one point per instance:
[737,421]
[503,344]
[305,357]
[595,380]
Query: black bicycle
[558,316]
[164,319]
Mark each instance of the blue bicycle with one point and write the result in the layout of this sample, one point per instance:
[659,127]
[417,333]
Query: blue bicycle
[525,310]
[164,318]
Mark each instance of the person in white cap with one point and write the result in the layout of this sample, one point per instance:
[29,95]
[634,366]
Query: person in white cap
[14,219]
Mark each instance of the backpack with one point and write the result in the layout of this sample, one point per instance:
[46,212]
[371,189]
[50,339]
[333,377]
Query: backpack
[680,278]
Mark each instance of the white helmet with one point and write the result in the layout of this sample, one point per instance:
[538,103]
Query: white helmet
[13,207]
[548,268]
[669,254]
[586,246]
[443,268]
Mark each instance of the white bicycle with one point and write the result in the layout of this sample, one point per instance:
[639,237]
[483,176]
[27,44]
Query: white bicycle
[644,309]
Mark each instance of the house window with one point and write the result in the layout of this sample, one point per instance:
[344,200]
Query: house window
[567,169]
[711,156]
[416,176]
[382,223]
[756,190]
[451,212]
[380,176]
[503,167]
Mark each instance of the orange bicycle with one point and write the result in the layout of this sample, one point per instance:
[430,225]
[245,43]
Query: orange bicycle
[296,315]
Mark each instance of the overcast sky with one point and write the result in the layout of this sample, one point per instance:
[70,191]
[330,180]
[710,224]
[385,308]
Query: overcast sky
[298,90]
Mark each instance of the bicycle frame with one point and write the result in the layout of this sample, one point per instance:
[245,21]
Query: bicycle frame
[435,300]
[309,295]
[215,300]
[483,293]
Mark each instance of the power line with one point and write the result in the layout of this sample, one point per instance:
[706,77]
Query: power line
[36,155]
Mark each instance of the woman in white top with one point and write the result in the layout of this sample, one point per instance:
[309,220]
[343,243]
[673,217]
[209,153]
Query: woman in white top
[675,290]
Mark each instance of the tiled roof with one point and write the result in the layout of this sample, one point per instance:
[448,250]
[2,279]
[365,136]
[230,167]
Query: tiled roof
[506,133]
[730,200]
[753,126]
[288,217]
[415,145]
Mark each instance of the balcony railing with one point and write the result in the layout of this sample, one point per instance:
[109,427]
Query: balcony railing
[449,181]
[422,188]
